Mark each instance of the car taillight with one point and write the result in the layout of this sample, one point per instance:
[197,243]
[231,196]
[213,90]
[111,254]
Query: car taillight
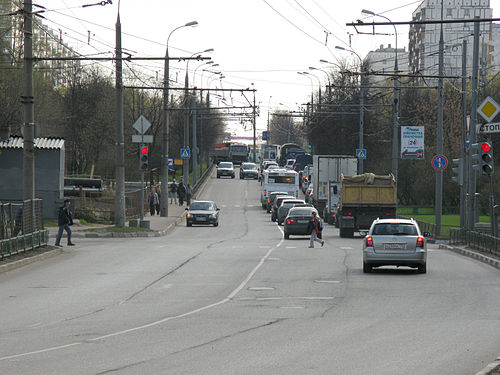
[420,242]
[349,213]
[296,193]
[369,241]
[290,221]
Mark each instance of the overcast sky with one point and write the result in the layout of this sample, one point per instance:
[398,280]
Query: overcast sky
[264,42]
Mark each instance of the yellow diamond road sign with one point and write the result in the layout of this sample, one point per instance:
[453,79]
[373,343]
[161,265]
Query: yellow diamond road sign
[488,109]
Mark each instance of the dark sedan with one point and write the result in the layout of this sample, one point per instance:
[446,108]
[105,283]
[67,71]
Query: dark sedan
[297,221]
[202,212]
[249,170]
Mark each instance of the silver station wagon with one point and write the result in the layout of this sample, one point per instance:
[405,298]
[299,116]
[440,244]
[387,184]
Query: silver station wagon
[395,242]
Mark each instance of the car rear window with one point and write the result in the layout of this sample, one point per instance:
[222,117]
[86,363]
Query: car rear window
[395,229]
[300,211]
[202,206]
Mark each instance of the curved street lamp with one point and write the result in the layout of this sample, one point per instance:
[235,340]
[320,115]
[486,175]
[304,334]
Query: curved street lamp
[164,148]
[361,109]
[395,106]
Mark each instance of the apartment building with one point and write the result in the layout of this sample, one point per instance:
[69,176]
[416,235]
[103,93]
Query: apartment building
[424,38]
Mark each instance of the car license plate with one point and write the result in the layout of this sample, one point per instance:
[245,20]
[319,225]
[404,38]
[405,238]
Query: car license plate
[394,246]
[201,218]
[302,221]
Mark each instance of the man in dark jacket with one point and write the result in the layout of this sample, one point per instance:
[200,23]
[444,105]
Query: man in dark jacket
[314,228]
[181,192]
[64,220]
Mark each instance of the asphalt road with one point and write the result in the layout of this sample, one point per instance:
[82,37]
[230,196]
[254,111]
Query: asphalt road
[238,299]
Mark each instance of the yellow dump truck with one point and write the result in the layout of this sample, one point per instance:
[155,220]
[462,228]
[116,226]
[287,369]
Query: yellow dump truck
[363,198]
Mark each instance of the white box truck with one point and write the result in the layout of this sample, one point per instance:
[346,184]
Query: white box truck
[327,170]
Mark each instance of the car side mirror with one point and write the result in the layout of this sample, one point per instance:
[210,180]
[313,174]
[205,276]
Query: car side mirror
[218,209]
[427,234]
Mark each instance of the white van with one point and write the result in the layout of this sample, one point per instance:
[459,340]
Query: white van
[279,180]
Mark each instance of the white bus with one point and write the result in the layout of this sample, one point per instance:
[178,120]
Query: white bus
[279,180]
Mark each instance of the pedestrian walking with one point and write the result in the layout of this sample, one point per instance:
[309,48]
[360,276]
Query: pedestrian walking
[181,192]
[157,205]
[153,201]
[173,192]
[64,220]
[189,194]
[314,228]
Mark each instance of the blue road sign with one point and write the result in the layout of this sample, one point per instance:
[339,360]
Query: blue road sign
[170,163]
[439,162]
[265,135]
[185,153]
[361,153]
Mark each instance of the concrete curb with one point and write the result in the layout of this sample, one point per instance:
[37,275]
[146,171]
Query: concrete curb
[492,368]
[488,370]
[31,259]
[472,254]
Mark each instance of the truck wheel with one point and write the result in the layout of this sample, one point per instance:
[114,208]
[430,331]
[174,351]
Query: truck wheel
[367,268]
[342,232]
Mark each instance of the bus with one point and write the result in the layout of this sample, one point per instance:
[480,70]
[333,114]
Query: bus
[289,151]
[279,180]
[270,152]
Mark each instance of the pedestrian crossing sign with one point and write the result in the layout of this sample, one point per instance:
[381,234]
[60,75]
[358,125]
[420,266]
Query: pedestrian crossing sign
[361,153]
[185,153]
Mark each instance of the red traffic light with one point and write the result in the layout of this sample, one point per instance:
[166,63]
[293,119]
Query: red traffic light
[486,147]
[144,150]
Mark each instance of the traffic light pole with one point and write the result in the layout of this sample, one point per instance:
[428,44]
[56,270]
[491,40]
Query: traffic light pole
[494,226]
[142,196]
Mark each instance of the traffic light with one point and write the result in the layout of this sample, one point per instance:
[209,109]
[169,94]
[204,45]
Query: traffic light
[475,158]
[486,158]
[143,158]
[459,171]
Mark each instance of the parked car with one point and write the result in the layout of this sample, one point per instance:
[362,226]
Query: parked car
[285,206]
[225,168]
[272,196]
[249,170]
[277,203]
[395,242]
[297,221]
[202,212]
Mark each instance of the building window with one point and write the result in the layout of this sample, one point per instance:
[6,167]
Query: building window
[449,12]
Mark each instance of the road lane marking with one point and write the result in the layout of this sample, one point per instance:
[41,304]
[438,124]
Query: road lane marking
[257,288]
[157,322]
[327,281]
[346,247]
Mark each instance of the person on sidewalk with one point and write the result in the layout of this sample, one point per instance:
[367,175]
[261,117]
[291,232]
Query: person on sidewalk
[173,192]
[189,195]
[64,220]
[153,200]
[181,191]
[314,228]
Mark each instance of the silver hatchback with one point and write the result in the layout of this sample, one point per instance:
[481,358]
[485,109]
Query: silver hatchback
[395,242]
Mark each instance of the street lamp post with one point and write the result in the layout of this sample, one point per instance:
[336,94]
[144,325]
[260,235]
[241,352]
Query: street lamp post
[361,109]
[395,106]
[164,158]
[312,93]
[185,164]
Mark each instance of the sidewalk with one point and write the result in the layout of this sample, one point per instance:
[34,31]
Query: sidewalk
[159,226]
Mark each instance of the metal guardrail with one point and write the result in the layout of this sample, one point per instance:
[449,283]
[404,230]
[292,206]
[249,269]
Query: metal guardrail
[21,227]
[482,242]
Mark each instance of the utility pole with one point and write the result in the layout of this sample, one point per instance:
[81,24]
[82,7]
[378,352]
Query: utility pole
[473,198]
[29,107]
[185,162]
[439,145]
[254,129]
[194,151]
[120,158]
[465,158]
